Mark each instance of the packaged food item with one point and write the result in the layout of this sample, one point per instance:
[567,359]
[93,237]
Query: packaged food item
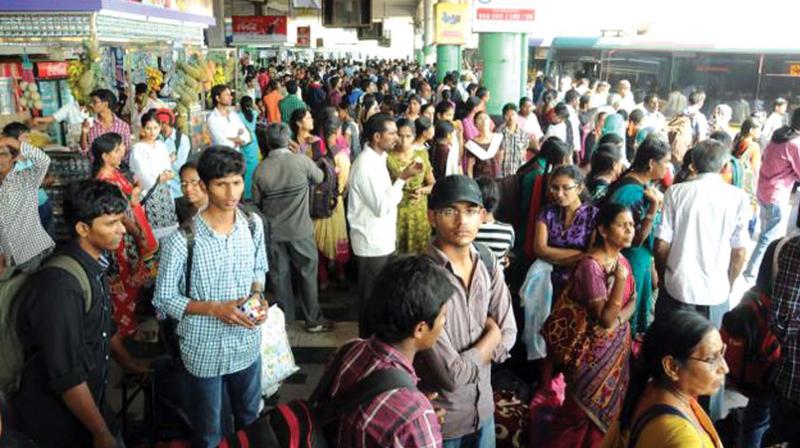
[253,309]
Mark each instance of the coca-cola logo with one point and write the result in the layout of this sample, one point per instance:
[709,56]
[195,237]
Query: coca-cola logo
[247,27]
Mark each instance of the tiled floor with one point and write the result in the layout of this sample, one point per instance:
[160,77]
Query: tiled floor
[311,351]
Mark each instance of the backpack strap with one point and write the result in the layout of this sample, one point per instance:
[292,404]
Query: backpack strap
[75,269]
[488,258]
[375,383]
[188,232]
[649,415]
[334,367]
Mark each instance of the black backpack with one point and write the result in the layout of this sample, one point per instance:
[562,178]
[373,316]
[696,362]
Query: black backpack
[312,423]
[324,195]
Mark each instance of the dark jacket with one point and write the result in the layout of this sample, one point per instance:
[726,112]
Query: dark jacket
[64,346]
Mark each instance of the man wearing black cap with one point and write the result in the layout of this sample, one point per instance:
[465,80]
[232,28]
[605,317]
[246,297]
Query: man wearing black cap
[480,327]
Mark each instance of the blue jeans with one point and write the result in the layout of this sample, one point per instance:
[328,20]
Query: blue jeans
[772,216]
[483,438]
[244,392]
[755,422]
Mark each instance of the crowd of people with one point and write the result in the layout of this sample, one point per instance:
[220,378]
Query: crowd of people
[642,220]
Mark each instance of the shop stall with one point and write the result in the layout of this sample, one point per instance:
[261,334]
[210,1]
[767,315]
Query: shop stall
[53,53]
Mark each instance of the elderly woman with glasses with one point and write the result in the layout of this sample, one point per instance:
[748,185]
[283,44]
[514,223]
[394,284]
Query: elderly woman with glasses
[683,357]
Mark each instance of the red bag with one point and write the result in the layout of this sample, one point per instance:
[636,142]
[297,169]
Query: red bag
[752,348]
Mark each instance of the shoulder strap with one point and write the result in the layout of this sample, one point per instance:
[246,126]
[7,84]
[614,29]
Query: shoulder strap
[649,415]
[74,268]
[488,258]
[188,232]
[368,388]
[334,367]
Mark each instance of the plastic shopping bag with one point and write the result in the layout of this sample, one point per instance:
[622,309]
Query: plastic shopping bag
[277,361]
[536,296]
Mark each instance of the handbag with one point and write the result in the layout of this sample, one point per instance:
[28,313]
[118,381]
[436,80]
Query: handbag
[566,331]
[277,361]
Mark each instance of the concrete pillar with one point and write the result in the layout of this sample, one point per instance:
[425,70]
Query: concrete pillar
[427,23]
[216,33]
[523,82]
[448,58]
[502,63]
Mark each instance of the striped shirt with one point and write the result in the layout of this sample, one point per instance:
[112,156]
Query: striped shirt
[22,236]
[224,268]
[497,236]
[117,126]
[514,147]
[288,105]
[784,320]
[401,418]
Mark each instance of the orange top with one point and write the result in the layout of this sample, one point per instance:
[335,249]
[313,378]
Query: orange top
[271,101]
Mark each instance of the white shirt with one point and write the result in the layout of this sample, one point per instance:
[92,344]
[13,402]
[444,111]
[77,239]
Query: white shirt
[530,125]
[627,103]
[703,220]
[181,155]
[148,162]
[224,129]
[72,113]
[653,120]
[557,130]
[372,205]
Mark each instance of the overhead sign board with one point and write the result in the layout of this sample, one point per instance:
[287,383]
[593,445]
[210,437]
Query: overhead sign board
[502,16]
[253,30]
[452,23]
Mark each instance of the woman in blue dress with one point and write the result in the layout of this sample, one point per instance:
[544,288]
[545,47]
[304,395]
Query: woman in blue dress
[635,189]
[251,153]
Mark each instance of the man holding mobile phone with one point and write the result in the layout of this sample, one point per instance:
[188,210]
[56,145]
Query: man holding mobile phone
[219,334]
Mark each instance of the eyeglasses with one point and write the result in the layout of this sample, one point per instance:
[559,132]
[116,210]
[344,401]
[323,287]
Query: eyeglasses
[565,188]
[452,213]
[193,183]
[714,361]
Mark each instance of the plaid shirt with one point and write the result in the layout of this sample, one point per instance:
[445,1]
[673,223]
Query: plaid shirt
[515,147]
[22,236]
[401,418]
[223,268]
[118,126]
[288,105]
[784,320]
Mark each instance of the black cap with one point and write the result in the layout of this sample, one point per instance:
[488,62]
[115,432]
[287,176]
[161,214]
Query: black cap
[454,188]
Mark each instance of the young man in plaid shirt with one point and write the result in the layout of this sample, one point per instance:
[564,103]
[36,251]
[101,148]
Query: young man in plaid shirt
[219,344]
[407,313]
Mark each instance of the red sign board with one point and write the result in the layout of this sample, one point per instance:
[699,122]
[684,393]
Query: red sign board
[303,36]
[259,29]
[52,69]
[516,15]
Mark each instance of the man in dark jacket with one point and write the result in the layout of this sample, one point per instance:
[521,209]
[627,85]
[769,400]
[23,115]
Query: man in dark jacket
[61,400]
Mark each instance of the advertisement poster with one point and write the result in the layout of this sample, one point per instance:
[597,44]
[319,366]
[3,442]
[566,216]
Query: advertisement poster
[199,7]
[502,16]
[304,36]
[452,23]
[259,29]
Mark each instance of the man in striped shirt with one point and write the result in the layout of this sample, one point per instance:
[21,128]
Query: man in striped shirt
[291,102]
[497,236]
[407,312]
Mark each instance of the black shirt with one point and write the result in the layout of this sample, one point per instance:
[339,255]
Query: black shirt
[64,346]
